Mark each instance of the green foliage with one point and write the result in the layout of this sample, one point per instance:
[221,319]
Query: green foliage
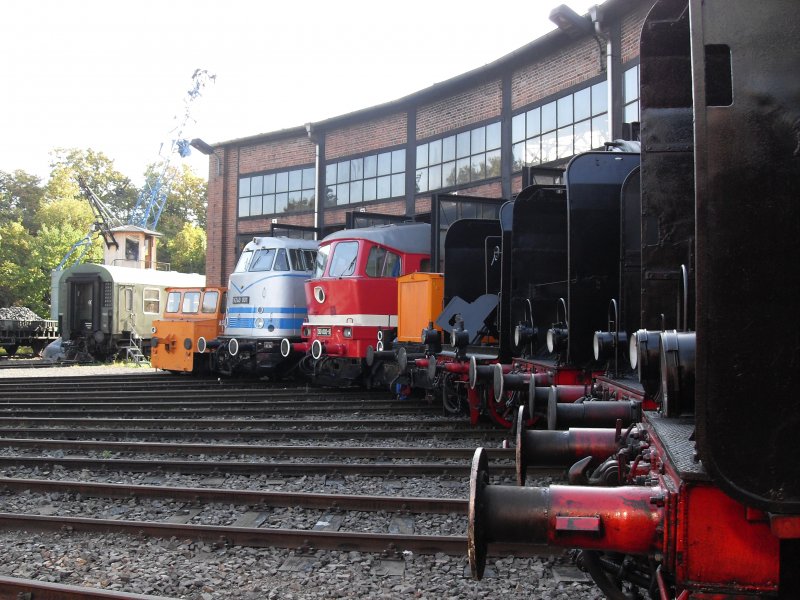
[39,223]
[188,249]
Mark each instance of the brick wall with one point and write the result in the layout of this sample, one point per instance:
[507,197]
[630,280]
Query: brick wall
[373,134]
[461,110]
[631,32]
[568,67]
[278,154]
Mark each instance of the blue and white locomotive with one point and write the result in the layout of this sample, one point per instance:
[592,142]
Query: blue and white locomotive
[266,303]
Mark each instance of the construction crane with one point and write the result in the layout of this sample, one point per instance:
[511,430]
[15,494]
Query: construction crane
[153,196]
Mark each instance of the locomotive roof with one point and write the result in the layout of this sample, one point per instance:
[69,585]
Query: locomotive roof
[133,275]
[280,242]
[405,237]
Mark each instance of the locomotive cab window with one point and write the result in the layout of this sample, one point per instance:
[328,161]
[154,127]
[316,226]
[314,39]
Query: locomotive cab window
[210,302]
[281,261]
[244,261]
[173,302]
[382,263]
[263,259]
[321,261]
[302,260]
[343,261]
[151,301]
[191,302]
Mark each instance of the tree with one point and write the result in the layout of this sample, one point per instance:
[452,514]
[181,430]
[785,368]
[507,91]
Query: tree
[21,195]
[188,249]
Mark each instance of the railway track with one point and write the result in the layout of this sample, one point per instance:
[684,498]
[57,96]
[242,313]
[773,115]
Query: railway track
[302,474]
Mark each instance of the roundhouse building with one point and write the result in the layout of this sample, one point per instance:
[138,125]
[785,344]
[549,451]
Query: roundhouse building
[571,90]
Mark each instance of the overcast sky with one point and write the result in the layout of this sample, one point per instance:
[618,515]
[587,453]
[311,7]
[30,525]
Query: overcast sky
[112,76]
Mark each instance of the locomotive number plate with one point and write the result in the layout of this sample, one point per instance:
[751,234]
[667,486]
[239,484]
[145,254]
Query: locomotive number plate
[323,330]
[240,300]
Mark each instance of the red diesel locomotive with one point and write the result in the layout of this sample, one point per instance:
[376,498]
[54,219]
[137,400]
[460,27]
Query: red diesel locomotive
[701,500]
[353,296]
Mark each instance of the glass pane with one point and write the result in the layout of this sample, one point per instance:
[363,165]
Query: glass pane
[268,205]
[449,148]
[244,261]
[343,193]
[517,156]
[391,268]
[435,177]
[583,136]
[384,163]
[375,259]
[565,142]
[191,302]
[518,128]
[533,122]
[549,147]
[281,202]
[262,259]
[463,170]
[564,110]
[173,302]
[210,299]
[321,261]
[599,98]
[370,166]
[583,104]
[493,136]
[356,191]
[435,152]
[422,156]
[343,261]
[493,163]
[330,174]
[269,184]
[356,169]
[533,151]
[478,140]
[384,187]
[478,167]
[599,131]
[422,180]
[256,185]
[549,116]
[343,171]
[244,187]
[399,161]
[309,182]
[244,207]
[370,189]
[295,179]
[255,205]
[631,84]
[295,198]
[398,185]
[632,112]
[330,196]
[282,182]
[449,174]
[462,144]
[281,261]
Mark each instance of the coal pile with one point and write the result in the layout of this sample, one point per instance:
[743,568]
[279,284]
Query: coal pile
[18,313]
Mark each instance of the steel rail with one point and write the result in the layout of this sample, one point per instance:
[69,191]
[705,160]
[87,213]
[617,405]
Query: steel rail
[255,498]
[237,394]
[305,540]
[265,434]
[199,423]
[296,409]
[209,403]
[382,469]
[14,588]
[384,452]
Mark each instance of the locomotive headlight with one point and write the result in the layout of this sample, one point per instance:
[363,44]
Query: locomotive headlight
[523,334]
[347,332]
[306,332]
[556,339]
[152,330]
[259,323]
[602,344]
